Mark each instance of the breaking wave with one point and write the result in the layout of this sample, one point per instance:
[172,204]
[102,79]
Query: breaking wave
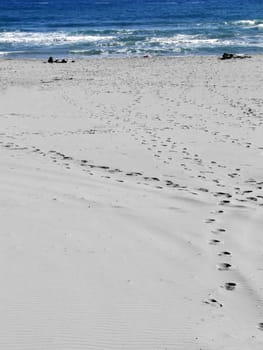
[255,23]
[48,38]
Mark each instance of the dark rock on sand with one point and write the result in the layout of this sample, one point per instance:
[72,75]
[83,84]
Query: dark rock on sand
[230,286]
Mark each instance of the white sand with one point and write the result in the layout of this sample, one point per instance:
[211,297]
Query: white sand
[116,177]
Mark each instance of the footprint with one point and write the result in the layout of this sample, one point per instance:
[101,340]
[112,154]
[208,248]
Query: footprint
[230,285]
[218,194]
[219,230]
[214,241]
[213,302]
[225,201]
[217,212]
[169,183]
[224,253]
[155,179]
[247,191]
[202,189]
[224,266]
[115,171]
[209,221]
[260,326]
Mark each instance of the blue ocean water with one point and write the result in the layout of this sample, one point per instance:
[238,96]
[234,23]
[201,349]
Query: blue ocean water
[38,28]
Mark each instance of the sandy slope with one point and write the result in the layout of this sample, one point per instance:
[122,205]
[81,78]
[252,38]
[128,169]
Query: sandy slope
[131,193]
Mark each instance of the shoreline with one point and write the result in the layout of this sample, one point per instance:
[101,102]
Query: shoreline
[91,58]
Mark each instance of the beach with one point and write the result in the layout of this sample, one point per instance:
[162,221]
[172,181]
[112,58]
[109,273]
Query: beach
[131,204]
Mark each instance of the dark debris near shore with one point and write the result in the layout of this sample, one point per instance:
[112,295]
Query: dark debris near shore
[63,60]
[228,56]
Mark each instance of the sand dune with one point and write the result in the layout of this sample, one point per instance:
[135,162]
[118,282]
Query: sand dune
[131,204]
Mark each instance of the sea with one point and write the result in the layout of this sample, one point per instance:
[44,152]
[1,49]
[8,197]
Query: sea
[127,28]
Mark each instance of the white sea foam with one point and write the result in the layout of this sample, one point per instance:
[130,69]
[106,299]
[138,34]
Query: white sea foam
[250,23]
[6,53]
[190,42]
[86,52]
[79,51]
[186,40]
[57,38]
[246,22]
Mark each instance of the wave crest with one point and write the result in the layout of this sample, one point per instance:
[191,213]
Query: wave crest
[49,38]
[250,23]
